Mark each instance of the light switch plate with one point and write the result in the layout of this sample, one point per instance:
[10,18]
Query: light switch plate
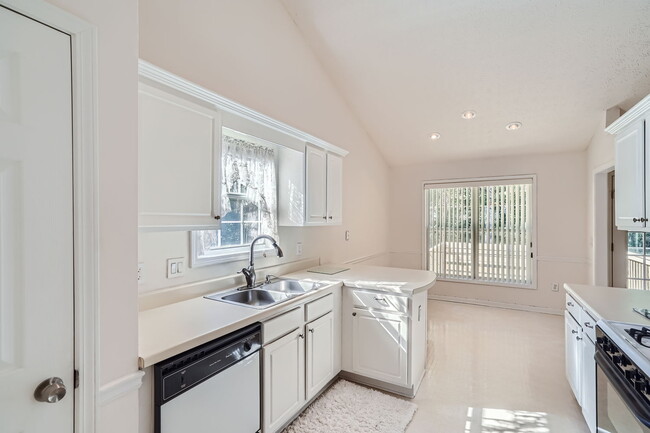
[175,267]
[140,273]
[299,248]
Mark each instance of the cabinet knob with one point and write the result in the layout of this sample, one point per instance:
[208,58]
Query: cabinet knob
[578,338]
[573,331]
[354,314]
[570,304]
[311,330]
[217,217]
[301,336]
[330,217]
[324,217]
[639,220]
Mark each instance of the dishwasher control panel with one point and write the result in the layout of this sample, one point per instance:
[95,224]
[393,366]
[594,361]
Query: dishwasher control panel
[180,373]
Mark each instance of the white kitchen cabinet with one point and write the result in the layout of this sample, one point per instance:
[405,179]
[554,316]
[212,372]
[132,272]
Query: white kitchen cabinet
[588,382]
[320,354]
[573,360]
[284,379]
[379,343]
[633,167]
[324,187]
[334,189]
[384,339]
[178,162]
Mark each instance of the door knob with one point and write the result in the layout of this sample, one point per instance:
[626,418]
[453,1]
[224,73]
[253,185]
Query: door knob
[50,390]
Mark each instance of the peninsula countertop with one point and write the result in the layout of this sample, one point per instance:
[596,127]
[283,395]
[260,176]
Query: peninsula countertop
[172,329]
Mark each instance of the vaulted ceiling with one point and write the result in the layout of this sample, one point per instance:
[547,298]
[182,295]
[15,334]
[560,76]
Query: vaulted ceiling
[410,68]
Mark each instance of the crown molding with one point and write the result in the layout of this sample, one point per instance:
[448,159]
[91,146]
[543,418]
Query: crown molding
[632,115]
[159,75]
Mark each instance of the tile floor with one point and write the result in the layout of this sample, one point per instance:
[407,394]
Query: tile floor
[493,370]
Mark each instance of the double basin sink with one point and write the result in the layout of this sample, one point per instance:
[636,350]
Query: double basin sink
[267,294]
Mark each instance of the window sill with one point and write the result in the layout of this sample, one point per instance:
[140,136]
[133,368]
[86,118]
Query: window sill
[490,283]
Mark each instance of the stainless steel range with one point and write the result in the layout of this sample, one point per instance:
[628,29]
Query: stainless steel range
[623,377]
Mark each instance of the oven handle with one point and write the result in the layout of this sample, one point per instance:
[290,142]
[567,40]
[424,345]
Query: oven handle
[639,408]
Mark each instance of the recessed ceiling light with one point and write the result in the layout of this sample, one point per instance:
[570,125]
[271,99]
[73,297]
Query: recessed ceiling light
[435,136]
[469,114]
[513,126]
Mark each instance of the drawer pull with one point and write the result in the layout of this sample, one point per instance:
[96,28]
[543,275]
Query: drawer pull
[311,330]
[589,325]
[570,304]
[578,338]
[301,336]
[573,331]
[382,300]
[639,220]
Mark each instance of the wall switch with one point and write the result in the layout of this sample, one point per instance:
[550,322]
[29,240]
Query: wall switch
[556,287]
[347,235]
[175,267]
[140,273]
[299,248]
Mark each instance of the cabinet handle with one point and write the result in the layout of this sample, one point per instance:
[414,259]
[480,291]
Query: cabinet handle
[324,217]
[383,300]
[354,314]
[217,217]
[573,331]
[419,312]
[570,304]
[578,338]
[639,220]
[589,325]
[311,330]
[301,336]
[330,217]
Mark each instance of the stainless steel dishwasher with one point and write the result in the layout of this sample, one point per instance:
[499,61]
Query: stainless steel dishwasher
[211,388]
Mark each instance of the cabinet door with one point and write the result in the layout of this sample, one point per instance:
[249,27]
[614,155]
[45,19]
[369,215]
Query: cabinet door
[630,192]
[320,353]
[572,333]
[316,188]
[284,379]
[178,162]
[334,189]
[379,346]
[588,380]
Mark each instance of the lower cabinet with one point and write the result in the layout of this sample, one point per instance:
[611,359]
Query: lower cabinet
[320,354]
[301,355]
[284,379]
[379,341]
[579,337]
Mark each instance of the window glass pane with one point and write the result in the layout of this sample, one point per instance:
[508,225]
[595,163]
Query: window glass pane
[231,234]
[251,231]
[251,211]
[635,242]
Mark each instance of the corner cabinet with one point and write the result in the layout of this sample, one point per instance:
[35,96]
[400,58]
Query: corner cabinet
[632,141]
[179,162]
[384,339]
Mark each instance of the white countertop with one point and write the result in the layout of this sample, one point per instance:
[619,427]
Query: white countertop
[611,303]
[172,329]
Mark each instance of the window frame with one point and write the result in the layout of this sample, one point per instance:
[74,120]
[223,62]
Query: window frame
[480,181]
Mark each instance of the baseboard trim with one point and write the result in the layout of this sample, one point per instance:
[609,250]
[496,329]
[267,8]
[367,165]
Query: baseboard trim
[520,307]
[119,387]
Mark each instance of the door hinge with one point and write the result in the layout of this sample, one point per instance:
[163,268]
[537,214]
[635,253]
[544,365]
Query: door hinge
[531,255]
[612,195]
[76,379]
[612,246]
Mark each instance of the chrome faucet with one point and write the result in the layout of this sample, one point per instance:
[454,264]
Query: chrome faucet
[249,272]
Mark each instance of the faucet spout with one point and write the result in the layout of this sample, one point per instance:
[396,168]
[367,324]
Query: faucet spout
[249,273]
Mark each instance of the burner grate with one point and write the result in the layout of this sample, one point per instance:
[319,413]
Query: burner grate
[642,336]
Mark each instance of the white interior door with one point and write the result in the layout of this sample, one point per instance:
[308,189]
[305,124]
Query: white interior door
[36,256]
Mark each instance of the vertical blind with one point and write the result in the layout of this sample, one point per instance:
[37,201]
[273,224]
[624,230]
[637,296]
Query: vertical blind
[480,231]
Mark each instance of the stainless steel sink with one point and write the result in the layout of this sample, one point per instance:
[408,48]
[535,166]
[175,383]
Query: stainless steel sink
[290,286]
[254,298]
[265,295]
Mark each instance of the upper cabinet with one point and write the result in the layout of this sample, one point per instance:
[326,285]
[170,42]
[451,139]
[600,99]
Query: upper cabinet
[180,151]
[178,162]
[632,141]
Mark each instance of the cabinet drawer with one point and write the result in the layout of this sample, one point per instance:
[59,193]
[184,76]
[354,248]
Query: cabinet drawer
[588,325]
[379,301]
[573,308]
[281,325]
[319,307]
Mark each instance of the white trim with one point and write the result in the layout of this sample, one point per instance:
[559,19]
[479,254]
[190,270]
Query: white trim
[152,72]
[534,260]
[632,115]
[86,215]
[119,387]
[583,260]
[488,283]
[520,307]
[600,249]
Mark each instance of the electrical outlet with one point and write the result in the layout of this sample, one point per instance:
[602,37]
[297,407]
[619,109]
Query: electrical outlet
[347,235]
[175,267]
[556,287]
[140,273]
[299,248]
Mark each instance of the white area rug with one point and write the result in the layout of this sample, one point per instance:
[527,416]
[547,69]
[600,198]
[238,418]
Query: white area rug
[347,407]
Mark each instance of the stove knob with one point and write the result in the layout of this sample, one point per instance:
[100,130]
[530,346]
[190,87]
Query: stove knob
[617,359]
[629,374]
[624,361]
[641,385]
[247,346]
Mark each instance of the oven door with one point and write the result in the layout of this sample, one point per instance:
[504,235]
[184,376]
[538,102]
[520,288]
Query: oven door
[620,408]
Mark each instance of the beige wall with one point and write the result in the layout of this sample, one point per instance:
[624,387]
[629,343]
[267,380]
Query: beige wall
[117,30]
[562,254]
[252,53]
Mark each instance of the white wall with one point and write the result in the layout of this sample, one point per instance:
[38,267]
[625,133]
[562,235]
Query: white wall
[252,52]
[117,50]
[562,254]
